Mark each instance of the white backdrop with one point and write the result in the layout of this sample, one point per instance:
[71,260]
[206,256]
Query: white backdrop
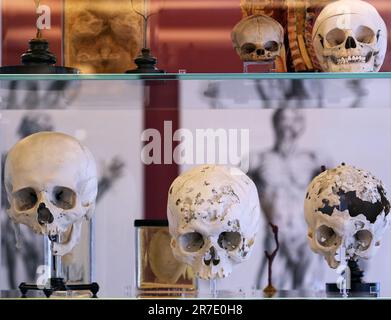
[109,120]
[111,127]
[357,136]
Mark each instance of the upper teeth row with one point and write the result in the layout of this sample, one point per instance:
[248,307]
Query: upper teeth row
[351,59]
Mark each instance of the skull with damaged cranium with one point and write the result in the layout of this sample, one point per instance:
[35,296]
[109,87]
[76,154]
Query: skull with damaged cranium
[350,36]
[258,38]
[51,184]
[346,207]
[213,213]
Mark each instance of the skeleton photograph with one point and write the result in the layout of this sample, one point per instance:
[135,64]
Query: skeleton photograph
[281,175]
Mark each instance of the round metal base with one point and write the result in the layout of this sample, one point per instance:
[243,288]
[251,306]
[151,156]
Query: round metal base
[146,63]
[38,69]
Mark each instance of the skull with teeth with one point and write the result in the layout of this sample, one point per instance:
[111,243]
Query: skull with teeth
[213,213]
[258,38]
[350,36]
[51,184]
[346,207]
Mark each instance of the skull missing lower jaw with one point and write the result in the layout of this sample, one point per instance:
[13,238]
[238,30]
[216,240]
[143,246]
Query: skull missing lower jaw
[350,36]
[213,213]
[258,38]
[51,184]
[346,207]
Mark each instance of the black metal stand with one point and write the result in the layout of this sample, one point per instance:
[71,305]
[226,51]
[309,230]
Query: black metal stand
[146,63]
[58,284]
[38,60]
[55,283]
[357,286]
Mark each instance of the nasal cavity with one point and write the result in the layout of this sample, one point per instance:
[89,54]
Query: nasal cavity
[44,215]
[350,43]
[260,52]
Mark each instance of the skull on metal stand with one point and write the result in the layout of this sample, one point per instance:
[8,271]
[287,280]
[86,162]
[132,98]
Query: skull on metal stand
[51,185]
[213,213]
[346,207]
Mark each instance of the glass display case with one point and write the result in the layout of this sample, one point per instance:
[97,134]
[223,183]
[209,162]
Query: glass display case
[194,98]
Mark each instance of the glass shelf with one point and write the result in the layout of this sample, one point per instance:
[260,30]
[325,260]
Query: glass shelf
[200,76]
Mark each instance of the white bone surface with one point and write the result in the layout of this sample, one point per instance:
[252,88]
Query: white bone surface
[350,19]
[346,206]
[56,170]
[213,213]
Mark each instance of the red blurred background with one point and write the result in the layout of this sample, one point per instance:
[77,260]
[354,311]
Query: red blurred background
[193,35]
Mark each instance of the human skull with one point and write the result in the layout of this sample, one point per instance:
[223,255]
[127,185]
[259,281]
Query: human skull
[346,207]
[350,36]
[213,213]
[258,38]
[51,184]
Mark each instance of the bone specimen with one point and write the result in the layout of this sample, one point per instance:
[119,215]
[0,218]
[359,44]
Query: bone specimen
[346,207]
[213,213]
[51,185]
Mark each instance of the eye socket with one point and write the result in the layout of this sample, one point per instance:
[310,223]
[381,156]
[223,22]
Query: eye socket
[325,236]
[229,240]
[363,240]
[191,242]
[248,48]
[271,46]
[63,198]
[365,34]
[25,199]
[336,37]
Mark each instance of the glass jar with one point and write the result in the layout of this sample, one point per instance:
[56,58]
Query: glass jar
[157,270]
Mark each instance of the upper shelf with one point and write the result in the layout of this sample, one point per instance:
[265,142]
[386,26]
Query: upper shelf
[197,76]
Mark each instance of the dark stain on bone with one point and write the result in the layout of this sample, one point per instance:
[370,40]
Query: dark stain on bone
[356,206]
[206,183]
[306,196]
[384,201]
[212,256]
[170,190]
[178,202]
[198,200]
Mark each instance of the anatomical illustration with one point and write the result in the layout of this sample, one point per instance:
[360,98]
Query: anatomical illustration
[101,37]
[213,213]
[51,184]
[350,36]
[346,207]
[281,175]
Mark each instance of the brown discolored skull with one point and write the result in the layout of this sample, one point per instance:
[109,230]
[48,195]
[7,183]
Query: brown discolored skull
[258,38]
